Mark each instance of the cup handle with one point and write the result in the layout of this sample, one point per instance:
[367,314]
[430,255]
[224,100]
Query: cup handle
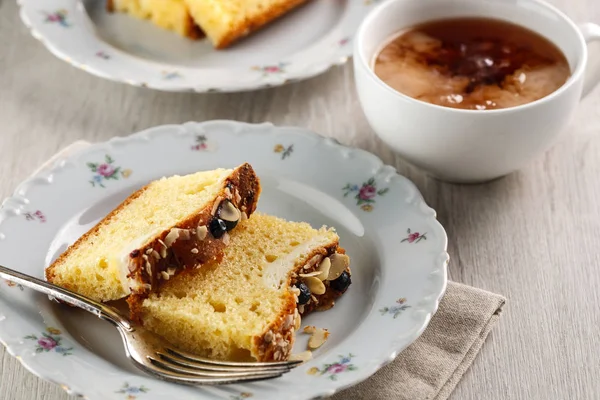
[591,33]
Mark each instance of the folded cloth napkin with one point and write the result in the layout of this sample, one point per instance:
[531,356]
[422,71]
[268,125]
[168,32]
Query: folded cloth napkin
[430,368]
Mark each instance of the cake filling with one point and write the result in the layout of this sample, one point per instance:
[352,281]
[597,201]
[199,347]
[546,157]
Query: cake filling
[276,272]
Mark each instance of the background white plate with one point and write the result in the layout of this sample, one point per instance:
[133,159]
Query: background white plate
[119,47]
[397,247]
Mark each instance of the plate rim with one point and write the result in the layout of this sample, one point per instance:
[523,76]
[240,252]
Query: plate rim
[239,128]
[316,68]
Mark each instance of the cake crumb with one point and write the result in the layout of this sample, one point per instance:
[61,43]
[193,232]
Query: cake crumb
[309,329]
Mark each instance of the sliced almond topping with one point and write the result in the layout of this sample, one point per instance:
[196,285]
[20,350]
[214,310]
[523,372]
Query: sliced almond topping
[301,308]
[244,216]
[194,251]
[201,232]
[297,320]
[155,254]
[165,275]
[304,356]
[149,251]
[318,338]
[171,271]
[268,338]
[309,274]
[163,249]
[324,268]
[295,291]
[314,260]
[229,212]
[309,329]
[315,285]
[238,198]
[288,322]
[215,206]
[339,263]
[225,238]
[172,236]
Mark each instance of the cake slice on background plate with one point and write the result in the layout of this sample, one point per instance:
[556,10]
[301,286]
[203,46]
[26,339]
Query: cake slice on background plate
[160,230]
[248,306]
[226,21]
[168,14]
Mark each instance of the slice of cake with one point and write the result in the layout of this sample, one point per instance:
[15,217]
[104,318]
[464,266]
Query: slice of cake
[248,307]
[168,14]
[225,21]
[158,231]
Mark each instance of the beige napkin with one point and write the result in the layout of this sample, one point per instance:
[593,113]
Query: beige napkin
[431,367]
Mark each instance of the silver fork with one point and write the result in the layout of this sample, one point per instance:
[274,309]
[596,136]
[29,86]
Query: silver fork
[151,353]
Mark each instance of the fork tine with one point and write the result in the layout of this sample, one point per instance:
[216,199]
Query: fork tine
[192,357]
[178,377]
[213,374]
[185,362]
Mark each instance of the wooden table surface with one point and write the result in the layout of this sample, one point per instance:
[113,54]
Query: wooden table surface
[533,236]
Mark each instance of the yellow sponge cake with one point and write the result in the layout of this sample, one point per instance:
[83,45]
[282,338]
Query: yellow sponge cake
[160,230]
[225,21]
[248,306]
[168,14]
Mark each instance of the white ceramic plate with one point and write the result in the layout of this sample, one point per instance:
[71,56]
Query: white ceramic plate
[397,247]
[115,46]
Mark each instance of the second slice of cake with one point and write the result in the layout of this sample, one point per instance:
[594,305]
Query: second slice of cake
[248,306]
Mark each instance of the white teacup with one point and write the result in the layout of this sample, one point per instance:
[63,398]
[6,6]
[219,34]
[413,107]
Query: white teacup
[469,145]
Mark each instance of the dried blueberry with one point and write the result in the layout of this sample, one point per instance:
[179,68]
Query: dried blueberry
[217,228]
[304,295]
[342,282]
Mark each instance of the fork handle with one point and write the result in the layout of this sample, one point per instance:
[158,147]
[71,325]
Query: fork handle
[100,310]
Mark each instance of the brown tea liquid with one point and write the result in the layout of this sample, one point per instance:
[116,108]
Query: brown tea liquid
[472,63]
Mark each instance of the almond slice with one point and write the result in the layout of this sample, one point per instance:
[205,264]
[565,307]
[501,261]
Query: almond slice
[339,263]
[318,338]
[229,212]
[297,320]
[309,274]
[163,249]
[324,268]
[172,236]
[315,285]
[303,356]
[201,232]
[216,205]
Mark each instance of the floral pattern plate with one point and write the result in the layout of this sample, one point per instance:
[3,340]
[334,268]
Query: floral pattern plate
[397,247]
[124,49]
